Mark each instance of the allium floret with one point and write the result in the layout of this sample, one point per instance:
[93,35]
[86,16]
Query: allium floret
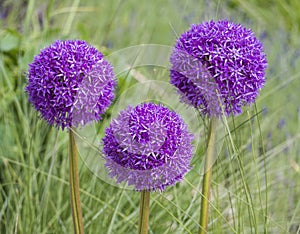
[70,83]
[217,65]
[148,146]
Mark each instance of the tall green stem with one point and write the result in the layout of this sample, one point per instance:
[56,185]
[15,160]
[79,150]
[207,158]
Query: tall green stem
[74,185]
[207,176]
[144,212]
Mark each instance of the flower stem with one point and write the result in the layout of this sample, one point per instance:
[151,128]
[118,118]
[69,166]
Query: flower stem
[207,176]
[74,185]
[144,212]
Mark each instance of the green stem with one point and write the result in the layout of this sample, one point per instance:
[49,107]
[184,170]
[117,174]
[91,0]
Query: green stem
[207,177]
[74,185]
[144,212]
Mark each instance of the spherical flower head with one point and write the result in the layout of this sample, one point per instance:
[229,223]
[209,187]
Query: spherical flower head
[218,65]
[148,146]
[70,83]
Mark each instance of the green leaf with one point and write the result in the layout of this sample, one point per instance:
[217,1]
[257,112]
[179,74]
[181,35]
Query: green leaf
[9,41]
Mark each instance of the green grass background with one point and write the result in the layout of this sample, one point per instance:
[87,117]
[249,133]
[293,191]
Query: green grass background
[256,178]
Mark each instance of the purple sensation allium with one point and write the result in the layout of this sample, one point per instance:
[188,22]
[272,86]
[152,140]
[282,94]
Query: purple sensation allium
[148,146]
[217,65]
[70,83]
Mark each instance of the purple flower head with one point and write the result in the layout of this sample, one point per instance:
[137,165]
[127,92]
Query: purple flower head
[217,65]
[70,83]
[148,146]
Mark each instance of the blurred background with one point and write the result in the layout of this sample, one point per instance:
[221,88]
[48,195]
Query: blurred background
[260,194]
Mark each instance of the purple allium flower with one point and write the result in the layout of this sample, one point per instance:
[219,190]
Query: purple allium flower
[217,64]
[70,83]
[148,146]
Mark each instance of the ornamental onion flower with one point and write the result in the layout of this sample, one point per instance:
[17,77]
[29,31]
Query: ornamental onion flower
[148,146]
[70,83]
[217,65]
